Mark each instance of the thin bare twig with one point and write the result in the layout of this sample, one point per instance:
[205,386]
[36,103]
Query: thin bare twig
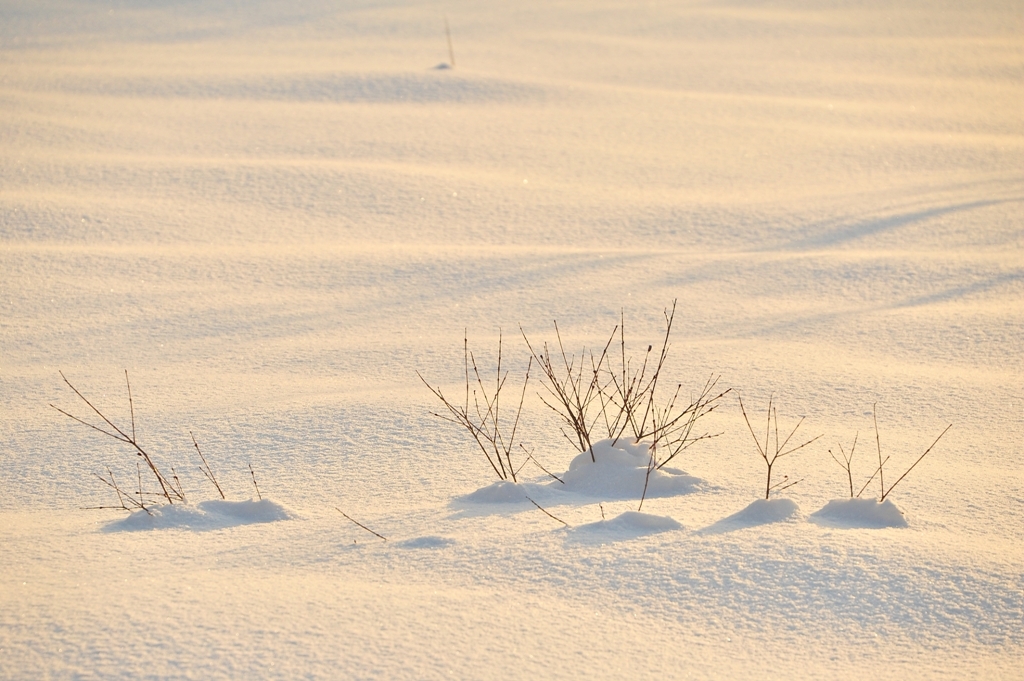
[121,436]
[847,462]
[545,511]
[253,474]
[770,456]
[448,34]
[360,524]
[205,468]
[916,462]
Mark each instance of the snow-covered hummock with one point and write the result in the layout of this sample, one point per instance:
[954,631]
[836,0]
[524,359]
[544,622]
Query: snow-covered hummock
[758,512]
[616,470]
[206,515]
[619,470]
[860,513]
[626,525]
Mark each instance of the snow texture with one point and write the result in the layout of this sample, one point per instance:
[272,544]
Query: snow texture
[759,512]
[627,525]
[860,513]
[206,515]
[620,471]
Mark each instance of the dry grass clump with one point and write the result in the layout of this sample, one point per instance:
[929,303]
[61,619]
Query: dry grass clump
[480,413]
[593,396]
[162,488]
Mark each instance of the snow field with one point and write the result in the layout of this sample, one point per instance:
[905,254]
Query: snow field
[273,215]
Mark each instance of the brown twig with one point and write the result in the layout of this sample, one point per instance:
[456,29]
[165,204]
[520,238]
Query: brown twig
[916,462]
[359,524]
[448,34]
[121,436]
[253,474]
[771,455]
[846,463]
[206,471]
[530,457]
[545,511]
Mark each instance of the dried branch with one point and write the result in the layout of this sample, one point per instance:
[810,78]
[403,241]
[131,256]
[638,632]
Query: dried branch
[168,490]
[205,468]
[253,474]
[771,455]
[545,511]
[360,524]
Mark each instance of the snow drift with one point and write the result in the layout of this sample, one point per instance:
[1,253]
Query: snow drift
[207,515]
[860,513]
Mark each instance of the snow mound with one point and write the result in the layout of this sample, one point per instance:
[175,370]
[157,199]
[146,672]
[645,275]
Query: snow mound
[619,471]
[428,542]
[627,525]
[860,513]
[500,492]
[760,512]
[207,515]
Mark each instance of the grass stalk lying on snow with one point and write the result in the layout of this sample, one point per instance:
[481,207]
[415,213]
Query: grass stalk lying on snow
[546,512]
[356,522]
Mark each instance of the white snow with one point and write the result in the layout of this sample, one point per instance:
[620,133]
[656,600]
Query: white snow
[272,214]
[629,524]
[860,513]
[758,512]
[620,471]
[206,515]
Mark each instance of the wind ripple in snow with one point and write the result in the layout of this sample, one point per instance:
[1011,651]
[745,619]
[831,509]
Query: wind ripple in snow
[378,89]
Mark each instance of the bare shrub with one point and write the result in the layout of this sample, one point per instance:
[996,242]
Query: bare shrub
[772,452]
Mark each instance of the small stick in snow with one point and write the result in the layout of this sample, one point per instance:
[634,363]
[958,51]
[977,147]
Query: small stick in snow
[546,512]
[529,457]
[206,471]
[253,474]
[360,524]
[916,462]
[448,34]
[848,461]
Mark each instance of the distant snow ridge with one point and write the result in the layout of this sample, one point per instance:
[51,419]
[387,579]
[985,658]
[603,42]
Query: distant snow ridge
[619,471]
[332,87]
[860,513]
[207,515]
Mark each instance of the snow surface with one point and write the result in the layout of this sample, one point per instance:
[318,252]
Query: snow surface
[629,524]
[620,471]
[206,515]
[758,512]
[274,213]
[860,513]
